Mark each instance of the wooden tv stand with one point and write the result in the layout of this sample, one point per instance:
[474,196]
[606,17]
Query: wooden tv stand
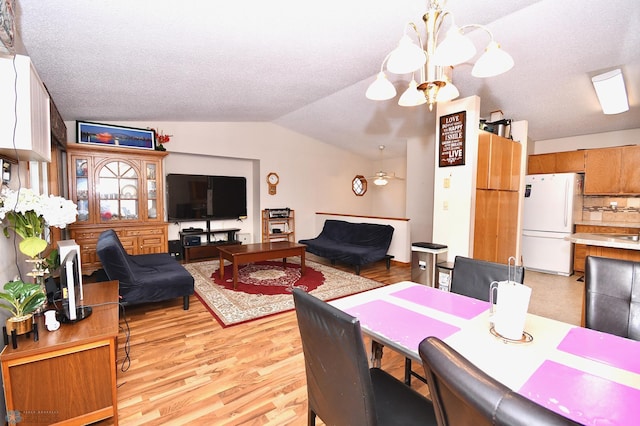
[68,376]
[209,248]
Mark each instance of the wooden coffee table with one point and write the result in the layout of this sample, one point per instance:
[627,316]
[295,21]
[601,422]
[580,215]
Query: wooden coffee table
[247,253]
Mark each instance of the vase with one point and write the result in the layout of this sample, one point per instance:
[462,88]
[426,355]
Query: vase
[22,324]
[39,272]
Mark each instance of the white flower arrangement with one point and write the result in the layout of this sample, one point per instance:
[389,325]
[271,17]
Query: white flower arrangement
[28,213]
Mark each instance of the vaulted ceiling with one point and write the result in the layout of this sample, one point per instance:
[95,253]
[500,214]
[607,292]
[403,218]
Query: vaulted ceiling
[306,65]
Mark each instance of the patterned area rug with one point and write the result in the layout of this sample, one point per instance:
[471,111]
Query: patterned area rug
[232,307]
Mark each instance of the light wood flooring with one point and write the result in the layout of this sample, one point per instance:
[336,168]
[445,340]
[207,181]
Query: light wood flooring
[186,369]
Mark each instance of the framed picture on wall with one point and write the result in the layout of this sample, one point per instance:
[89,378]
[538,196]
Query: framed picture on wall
[452,139]
[107,134]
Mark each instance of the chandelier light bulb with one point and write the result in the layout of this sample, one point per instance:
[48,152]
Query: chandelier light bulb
[494,61]
[381,89]
[406,58]
[447,93]
[412,96]
[455,49]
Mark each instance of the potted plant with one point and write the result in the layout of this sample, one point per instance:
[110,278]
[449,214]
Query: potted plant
[21,299]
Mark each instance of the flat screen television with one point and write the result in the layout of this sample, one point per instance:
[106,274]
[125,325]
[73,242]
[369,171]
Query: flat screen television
[201,197]
[71,290]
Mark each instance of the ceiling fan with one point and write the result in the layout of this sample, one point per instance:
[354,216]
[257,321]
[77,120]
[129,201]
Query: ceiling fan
[382,178]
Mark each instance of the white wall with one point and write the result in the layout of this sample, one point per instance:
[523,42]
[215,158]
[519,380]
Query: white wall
[314,176]
[453,225]
[420,175]
[388,200]
[596,140]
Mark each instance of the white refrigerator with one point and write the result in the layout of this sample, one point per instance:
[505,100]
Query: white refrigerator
[552,202]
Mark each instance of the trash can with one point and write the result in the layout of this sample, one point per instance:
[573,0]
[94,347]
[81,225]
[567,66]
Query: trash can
[423,262]
[445,271]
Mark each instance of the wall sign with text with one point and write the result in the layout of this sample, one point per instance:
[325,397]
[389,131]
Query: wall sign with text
[452,139]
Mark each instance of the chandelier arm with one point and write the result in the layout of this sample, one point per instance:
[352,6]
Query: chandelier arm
[384,61]
[415,30]
[482,27]
[440,21]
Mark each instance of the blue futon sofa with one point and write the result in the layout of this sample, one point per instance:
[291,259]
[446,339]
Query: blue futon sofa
[145,277]
[352,243]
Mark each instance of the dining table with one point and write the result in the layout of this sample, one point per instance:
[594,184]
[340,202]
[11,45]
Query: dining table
[588,376]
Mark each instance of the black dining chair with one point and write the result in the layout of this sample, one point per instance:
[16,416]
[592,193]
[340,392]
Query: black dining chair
[612,300]
[341,388]
[463,394]
[472,277]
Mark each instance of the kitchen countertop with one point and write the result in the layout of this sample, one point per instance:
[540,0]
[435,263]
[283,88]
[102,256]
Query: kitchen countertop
[602,241]
[611,224]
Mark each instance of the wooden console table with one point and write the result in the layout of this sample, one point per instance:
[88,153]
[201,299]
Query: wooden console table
[68,376]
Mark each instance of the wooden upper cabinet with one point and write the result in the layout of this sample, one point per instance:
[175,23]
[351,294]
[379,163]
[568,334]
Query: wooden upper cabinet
[541,163]
[570,162]
[498,163]
[630,170]
[602,171]
[556,162]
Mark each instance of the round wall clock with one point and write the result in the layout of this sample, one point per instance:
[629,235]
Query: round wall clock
[272,180]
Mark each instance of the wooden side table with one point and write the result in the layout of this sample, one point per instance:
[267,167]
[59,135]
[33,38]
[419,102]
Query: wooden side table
[68,376]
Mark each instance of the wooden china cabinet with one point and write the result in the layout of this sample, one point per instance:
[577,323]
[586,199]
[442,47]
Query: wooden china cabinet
[120,189]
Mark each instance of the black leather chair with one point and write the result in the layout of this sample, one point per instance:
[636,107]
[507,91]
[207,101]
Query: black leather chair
[146,277]
[463,394]
[472,277]
[613,296]
[341,388]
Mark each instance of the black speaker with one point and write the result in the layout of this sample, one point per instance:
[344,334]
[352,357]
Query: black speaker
[175,249]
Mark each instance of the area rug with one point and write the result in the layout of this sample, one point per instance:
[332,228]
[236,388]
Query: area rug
[264,288]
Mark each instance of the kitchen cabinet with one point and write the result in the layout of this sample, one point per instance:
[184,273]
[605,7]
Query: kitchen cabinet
[496,225]
[541,163]
[557,162]
[24,111]
[581,251]
[614,253]
[498,162]
[630,170]
[119,189]
[570,162]
[496,209]
[613,171]
[602,171]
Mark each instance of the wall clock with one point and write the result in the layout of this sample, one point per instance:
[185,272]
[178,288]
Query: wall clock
[272,180]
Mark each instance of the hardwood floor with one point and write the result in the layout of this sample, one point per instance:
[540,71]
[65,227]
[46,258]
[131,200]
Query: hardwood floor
[187,369]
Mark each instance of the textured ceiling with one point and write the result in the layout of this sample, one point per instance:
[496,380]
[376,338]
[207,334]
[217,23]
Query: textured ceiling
[306,66]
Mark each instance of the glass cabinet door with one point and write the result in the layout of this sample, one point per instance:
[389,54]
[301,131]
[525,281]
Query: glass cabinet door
[81,167]
[118,191]
[152,191]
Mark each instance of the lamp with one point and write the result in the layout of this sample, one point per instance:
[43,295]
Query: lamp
[380,180]
[434,60]
[611,92]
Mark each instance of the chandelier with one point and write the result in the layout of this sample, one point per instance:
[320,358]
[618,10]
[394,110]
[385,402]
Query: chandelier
[434,62]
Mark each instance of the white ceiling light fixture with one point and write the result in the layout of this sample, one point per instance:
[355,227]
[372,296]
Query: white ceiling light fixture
[382,178]
[611,92]
[433,59]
